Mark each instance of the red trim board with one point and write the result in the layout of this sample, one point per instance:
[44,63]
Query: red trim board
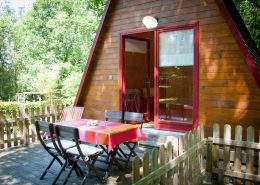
[173,125]
[122,70]
[93,48]
[240,42]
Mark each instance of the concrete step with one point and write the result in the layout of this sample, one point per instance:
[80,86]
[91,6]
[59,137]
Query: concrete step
[155,138]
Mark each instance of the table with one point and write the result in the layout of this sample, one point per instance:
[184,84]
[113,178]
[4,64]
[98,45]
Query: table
[106,133]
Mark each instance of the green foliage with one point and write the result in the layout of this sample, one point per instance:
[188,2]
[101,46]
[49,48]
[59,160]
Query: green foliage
[8,84]
[10,106]
[58,36]
[48,47]
[251,16]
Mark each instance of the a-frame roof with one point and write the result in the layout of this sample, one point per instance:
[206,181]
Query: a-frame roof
[249,42]
[235,22]
[243,37]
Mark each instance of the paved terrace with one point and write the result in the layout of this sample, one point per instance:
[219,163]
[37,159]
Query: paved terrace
[24,165]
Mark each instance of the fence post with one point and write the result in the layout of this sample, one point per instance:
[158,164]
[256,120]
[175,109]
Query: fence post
[202,154]
[186,161]
[190,171]
[21,126]
[26,131]
[146,164]
[209,162]
[197,164]
[8,129]
[136,169]
[175,154]
[169,158]
[162,163]
[33,129]
[48,114]
[238,153]
[216,147]
[250,153]
[181,172]
[2,142]
[15,128]
[8,132]
[227,136]
[155,164]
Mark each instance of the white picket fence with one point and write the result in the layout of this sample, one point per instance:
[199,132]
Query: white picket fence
[17,128]
[193,159]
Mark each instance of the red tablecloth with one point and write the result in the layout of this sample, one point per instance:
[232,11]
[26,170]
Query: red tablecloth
[104,132]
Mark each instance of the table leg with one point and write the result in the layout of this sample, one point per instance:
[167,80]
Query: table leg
[113,161]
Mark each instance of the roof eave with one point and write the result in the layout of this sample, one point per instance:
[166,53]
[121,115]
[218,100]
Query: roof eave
[239,39]
[91,54]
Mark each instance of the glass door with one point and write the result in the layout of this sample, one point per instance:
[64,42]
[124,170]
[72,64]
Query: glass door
[176,78]
[136,76]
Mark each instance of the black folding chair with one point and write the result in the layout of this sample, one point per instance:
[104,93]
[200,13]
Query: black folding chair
[87,153]
[115,115]
[46,137]
[131,145]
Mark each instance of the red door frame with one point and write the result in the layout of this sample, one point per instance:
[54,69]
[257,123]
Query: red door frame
[166,125]
[122,73]
[172,125]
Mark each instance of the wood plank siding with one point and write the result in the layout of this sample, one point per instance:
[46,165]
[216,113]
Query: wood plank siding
[228,92]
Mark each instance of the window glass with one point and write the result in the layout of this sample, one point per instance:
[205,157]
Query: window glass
[176,61]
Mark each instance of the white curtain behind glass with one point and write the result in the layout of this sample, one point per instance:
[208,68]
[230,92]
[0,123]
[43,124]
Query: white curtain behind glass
[176,48]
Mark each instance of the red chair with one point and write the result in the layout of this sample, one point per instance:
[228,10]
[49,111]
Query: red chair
[132,100]
[72,113]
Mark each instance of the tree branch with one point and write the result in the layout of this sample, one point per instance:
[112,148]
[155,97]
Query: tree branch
[256,3]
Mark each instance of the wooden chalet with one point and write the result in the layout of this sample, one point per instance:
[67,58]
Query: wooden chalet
[199,65]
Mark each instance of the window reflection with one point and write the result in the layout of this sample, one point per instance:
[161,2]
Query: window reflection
[176,75]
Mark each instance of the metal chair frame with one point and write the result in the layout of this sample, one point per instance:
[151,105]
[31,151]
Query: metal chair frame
[112,114]
[89,161]
[136,117]
[42,126]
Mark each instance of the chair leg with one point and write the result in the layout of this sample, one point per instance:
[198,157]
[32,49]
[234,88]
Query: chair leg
[72,168]
[108,155]
[59,161]
[92,168]
[84,180]
[79,170]
[132,152]
[62,169]
[122,152]
[91,165]
[76,168]
[104,149]
[48,167]
[113,161]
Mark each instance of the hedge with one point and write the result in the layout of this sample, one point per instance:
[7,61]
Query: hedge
[10,106]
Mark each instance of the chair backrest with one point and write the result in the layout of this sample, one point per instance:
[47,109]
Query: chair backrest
[112,114]
[69,133]
[65,133]
[43,132]
[72,113]
[132,99]
[134,116]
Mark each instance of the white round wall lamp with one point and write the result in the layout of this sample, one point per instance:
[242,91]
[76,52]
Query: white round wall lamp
[150,22]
